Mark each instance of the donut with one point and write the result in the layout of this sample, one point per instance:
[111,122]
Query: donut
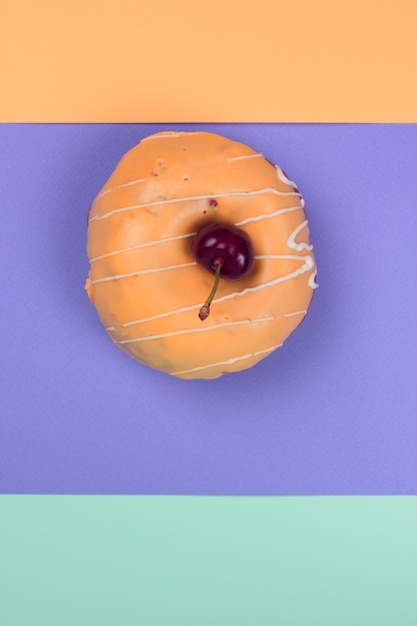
[148,287]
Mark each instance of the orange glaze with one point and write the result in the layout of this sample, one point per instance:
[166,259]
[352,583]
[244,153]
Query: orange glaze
[145,283]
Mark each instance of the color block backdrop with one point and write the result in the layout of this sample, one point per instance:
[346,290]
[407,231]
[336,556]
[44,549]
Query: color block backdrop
[274,61]
[331,414]
[226,561]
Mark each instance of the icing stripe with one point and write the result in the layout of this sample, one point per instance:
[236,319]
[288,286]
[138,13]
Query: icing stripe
[231,194]
[245,156]
[229,362]
[132,182]
[141,245]
[196,330]
[283,178]
[258,218]
[296,257]
[161,136]
[304,312]
[137,273]
[307,265]
[312,280]
[291,243]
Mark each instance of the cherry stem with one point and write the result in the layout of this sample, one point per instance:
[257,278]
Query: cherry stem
[205,309]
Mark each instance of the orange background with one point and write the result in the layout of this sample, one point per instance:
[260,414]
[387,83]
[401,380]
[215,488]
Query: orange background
[223,60]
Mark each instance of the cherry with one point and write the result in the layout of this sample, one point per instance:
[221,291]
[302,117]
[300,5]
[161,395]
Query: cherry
[226,251]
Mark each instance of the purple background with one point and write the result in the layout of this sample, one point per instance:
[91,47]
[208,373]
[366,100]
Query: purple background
[332,412]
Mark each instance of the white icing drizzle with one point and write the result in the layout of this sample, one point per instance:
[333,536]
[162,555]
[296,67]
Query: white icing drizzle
[132,182]
[312,280]
[303,312]
[291,243]
[283,178]
[307,265]
[158,241]
[202,329]
[229,362]
[308,261]
[245,156]
[161,135]
[137,273]
[231,194]
[296,257]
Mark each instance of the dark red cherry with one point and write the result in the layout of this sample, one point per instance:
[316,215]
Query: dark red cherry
[226,251]
[227,242]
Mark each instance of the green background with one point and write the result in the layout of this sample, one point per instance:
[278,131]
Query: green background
[208,561]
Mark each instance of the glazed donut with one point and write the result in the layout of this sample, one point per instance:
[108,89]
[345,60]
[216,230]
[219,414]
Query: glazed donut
[144,280]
